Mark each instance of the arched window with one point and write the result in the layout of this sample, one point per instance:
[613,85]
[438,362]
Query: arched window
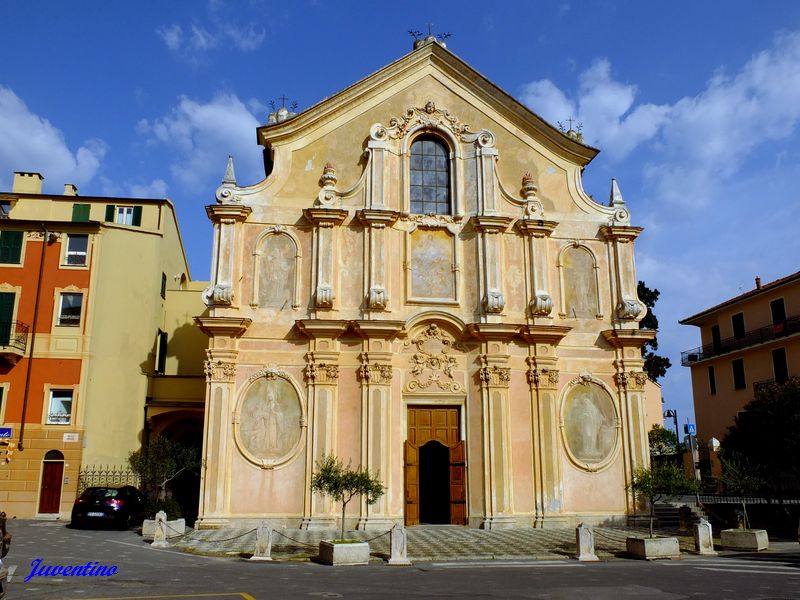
[430,176]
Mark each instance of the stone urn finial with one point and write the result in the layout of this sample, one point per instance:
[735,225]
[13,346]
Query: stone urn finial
[529,188]
[328,178]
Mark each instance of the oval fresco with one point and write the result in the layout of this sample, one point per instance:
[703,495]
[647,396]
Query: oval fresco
[269,420]
[590,428]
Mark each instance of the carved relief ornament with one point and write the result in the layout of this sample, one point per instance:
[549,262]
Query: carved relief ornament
[375,373]
[322,373]
[543,378]
[219,371]
[268,372]
[433,355]
[430,116]
[631,380]
[495,376]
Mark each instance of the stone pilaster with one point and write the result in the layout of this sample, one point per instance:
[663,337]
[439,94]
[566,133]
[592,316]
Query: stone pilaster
[494,376]
[491,229]
[322,387]
[220,370]
[628,310]
[227,219]
[376,375]
[630,380]
[377,223]
[326,221]
[540,301]
[543,379]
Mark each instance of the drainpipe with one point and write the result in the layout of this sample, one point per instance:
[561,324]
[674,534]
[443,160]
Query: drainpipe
[45,242]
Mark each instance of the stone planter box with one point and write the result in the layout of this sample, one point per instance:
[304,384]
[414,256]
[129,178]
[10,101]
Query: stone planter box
[174,528]
[356,553]
[653,548]
[752,540]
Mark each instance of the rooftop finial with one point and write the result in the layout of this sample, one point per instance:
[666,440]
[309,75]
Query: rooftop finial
[573,129]
[615,198]
[420,39]
[230,175]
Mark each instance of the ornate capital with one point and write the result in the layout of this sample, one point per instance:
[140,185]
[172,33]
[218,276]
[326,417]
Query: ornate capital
[377,298]
[633,381]
[219,371]
[375,374]
[324,296]
[494,301]
[495,376]
[541,305]
[545,379]
[322,373]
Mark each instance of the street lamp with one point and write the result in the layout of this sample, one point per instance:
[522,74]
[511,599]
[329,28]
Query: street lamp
[671,412]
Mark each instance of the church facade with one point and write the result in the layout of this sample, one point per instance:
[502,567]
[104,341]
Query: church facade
[421,286]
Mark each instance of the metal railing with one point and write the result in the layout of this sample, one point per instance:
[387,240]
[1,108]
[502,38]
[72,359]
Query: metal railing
[110,476]
[14,334]
[750,338]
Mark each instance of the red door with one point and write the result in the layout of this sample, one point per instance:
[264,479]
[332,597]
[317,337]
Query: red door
[50,497]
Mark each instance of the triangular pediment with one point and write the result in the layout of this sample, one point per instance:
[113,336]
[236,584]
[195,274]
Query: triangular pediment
[431,61]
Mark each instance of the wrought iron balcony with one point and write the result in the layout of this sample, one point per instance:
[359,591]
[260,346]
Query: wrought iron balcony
[13,340]
[750,338]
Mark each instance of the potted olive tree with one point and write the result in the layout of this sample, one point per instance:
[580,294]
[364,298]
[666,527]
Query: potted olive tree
[342,484]
[653,484]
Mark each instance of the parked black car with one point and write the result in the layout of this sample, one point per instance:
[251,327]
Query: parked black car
[118,506]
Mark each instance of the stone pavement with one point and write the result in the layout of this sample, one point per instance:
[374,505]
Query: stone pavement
[425,542]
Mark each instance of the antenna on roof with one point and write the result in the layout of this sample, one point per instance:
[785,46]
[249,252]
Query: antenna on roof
[420,39]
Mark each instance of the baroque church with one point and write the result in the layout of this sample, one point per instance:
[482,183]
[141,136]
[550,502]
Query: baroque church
[421,286]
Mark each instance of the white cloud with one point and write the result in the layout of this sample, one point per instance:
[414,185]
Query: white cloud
[603,106]
[155,189]
[172,36]
[194,43]
[29,142]
[202,135]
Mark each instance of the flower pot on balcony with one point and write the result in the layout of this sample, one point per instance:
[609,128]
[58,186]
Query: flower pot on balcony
[748,540]
[345,552]
[653,548]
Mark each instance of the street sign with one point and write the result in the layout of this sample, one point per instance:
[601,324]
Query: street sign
[691,429]
[6,433]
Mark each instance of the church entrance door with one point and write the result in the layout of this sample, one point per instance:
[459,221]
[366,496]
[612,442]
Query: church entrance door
[435,467]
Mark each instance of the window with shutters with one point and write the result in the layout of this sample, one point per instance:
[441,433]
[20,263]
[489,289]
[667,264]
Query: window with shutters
[161,356]
[80,212]
[164,286]
[11,246]
[739,382]
[124,215]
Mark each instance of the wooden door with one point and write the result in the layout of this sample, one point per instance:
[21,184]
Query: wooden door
[411,457]
[50,497]
[458,485]
[6,314]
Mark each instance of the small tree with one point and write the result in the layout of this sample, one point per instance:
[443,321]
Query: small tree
[660,481]
[663,442]
[740,477]
[161,462]
[332,478]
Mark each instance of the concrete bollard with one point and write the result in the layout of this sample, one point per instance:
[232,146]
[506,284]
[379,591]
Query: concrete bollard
[263,542]
[703,538]
[398,545]
[584,540]
[160,535]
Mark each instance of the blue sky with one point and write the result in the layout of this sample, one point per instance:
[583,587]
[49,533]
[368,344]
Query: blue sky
[695,106]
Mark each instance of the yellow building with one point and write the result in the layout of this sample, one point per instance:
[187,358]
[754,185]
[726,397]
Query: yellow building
[96,302]
[747,340]
[420,285]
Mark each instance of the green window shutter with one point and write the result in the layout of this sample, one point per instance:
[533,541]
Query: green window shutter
[110,213]
[137,216]
[80,212]
[11,246]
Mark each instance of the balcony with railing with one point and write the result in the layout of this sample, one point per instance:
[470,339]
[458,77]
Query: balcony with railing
[13,340]
[750,338]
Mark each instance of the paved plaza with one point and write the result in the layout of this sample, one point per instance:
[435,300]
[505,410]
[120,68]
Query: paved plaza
[463,563]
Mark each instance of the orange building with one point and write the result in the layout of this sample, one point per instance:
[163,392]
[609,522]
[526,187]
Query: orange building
[746,341]
[85,328]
